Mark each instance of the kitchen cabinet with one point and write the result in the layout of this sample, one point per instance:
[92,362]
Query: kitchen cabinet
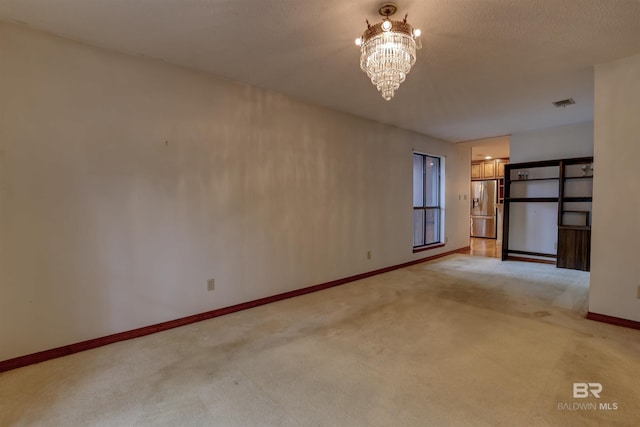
[488,169]
[500,163]
[476,170]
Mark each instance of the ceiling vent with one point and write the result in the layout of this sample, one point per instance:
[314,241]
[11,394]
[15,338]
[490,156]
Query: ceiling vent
[564,102]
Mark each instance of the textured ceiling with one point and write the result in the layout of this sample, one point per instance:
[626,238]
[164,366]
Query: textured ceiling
[488,67]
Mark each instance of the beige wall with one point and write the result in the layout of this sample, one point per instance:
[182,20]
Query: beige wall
[615,268]
[533,227]
[126,183]
[559,142]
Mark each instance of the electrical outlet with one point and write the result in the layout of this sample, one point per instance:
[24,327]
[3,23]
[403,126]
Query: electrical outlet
[638,292]
[368,254]
[555,245]
[211,284]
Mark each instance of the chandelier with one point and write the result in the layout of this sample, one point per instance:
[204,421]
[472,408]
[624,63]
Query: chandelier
[388,50]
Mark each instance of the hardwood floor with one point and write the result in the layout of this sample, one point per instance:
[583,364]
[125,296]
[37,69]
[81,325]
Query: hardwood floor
[485,247]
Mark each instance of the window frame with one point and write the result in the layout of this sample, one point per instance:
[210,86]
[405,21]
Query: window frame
[426,186]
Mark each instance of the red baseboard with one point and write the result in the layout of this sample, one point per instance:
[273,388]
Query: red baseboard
[613,320]
[66,350]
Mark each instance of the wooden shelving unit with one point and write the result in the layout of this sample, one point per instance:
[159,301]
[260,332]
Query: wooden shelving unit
[531,199]
[574,206]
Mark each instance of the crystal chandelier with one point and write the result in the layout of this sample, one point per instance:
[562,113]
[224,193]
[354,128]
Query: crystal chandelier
[388,50]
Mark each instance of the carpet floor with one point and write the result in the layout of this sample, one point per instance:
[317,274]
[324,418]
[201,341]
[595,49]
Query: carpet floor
[456,341]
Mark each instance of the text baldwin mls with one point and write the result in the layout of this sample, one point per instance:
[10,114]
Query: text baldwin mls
[582,391]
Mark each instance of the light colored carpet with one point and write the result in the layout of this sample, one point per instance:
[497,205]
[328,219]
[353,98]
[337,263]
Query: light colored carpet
[457,341]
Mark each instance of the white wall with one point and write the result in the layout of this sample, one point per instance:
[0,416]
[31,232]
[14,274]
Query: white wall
[533,226]
[615,270]
[126,183]
[560,142]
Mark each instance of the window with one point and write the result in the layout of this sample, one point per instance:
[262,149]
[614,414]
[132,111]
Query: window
[427,209]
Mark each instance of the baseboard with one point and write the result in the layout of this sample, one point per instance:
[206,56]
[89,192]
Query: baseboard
[66,350]
[618,321]
[525,259]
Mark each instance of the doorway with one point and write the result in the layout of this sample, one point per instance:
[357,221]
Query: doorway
[488,158]
[485,247]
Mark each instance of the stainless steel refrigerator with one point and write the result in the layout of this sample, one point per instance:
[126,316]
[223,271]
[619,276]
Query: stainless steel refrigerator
[483,209]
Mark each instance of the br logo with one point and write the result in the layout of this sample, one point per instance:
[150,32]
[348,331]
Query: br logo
[583,390]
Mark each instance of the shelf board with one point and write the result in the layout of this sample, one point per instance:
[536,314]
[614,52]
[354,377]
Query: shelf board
[578,177]
[572,211]
[578,161]
[539,254]
[574,227]
[577,199]
[531,199]
[512,181]
[531,165]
